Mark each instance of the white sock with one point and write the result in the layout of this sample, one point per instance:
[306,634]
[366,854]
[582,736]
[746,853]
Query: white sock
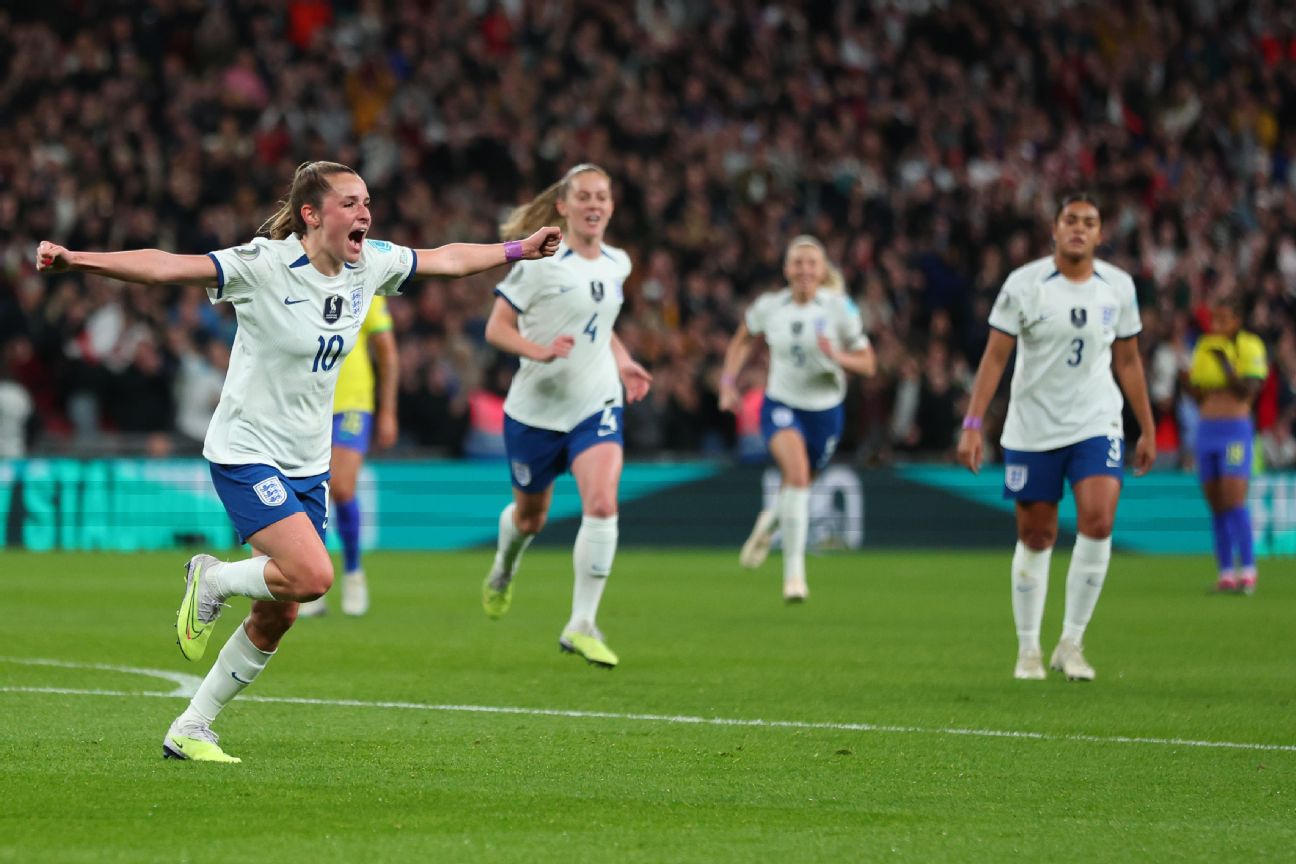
[596,543]
[237,666]
[1030,572]
[510,546]
[244,578]
[1085,579]
[794,519]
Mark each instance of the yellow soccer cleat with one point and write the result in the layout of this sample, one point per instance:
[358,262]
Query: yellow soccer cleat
[496,601]
[199,609]
[194,743]
[591,647]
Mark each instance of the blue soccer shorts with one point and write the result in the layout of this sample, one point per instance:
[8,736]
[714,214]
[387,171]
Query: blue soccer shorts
[537,456]
[1039,475]
[256,496]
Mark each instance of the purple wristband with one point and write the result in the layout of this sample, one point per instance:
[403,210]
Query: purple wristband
[972,423]
[513,251]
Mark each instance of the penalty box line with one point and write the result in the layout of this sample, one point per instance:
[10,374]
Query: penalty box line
[685,719]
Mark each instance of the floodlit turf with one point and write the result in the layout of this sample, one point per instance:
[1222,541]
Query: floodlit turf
[919,644]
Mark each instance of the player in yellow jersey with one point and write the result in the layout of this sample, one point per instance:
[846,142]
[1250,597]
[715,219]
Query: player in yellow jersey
[1228,369]
[355,423]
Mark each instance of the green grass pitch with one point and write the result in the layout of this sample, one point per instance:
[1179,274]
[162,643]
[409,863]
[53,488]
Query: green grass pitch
[893,680]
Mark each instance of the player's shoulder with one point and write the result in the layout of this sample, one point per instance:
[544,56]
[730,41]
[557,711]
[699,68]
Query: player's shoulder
[1113,275]
[836,300]
[774,299]
[1030,274]
[1246,340]
[617,256]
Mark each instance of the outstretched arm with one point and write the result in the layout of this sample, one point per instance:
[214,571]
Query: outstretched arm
[144,266]
[456,260]
[502,331]
[735,358]
[1128,366]
[997,351]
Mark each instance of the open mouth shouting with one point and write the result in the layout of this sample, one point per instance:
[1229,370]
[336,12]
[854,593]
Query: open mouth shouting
[355,240]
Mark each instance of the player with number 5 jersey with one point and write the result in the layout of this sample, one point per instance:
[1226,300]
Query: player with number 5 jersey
[563,411]
[1073,320]
[815,336]
[300,295]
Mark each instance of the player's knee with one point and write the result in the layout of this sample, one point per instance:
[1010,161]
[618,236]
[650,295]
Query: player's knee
[1096,526]
[798,476]
[312,579]
[1038,539]
[529,523]
[601,506]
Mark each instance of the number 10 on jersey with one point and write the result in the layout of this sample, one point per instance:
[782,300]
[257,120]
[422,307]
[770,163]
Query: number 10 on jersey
[327,355]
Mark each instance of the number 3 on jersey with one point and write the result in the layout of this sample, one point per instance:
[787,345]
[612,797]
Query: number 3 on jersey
[327,355]
[1077,348]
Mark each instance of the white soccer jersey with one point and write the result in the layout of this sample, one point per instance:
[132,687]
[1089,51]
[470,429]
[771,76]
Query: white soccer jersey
[1063,390]
[295,326]
[800,375]
[566,295]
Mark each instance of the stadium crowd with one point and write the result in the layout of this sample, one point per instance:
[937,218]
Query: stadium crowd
[925,143]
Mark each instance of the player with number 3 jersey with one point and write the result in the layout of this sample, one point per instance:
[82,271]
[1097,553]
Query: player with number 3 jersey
[300,296]
[1073,320]
[563,409]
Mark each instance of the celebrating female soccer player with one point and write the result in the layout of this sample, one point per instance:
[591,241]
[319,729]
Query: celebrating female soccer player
[815,336]
[1228,369]
[1073,319]
[563,409]
[300,298]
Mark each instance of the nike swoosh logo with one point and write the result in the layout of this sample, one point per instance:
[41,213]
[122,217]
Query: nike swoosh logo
[191,626]
[565,288]
[234,675]
[288,302]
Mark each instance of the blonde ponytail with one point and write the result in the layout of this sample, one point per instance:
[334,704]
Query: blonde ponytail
[309,186]
[832,280]
[542,210]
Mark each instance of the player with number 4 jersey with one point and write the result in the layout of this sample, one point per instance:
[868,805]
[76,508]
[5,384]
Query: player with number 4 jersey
[300,296]
[563,409]
[1073,320]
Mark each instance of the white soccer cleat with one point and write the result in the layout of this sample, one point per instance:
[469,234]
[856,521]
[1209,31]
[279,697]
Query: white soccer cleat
[1069,660]
[795,590]
[312,608]
[1030,665]
[355,593]
[756,549]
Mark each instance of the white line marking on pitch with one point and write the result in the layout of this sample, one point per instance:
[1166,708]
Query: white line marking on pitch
[691,720]
[186,685]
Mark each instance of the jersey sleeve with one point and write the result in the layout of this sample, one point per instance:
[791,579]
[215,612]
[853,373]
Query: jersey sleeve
[850,327]
[378,320]
[521,285]
[1008,314]
[239,270]
[393,265]
[1252,360]
[756,316]
[1128,321]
